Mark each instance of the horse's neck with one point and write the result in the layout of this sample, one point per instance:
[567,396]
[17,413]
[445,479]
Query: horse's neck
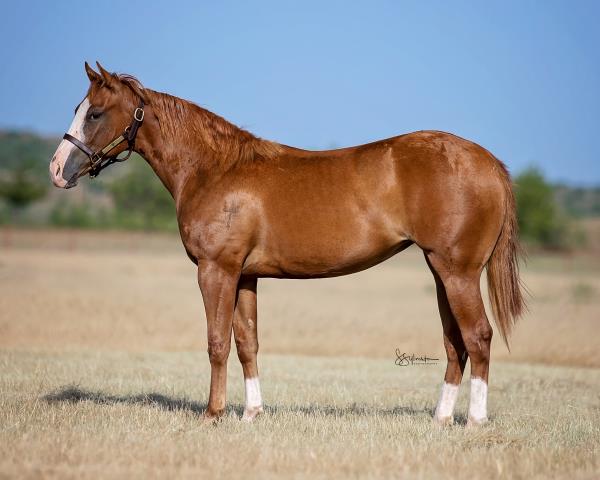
[167,164]
[174,159]
[197,147]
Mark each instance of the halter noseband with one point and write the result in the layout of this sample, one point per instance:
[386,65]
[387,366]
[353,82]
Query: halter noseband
[100,159]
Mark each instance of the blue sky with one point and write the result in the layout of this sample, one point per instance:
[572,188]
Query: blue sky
[521,78]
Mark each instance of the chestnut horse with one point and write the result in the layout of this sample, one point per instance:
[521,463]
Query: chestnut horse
[249,208]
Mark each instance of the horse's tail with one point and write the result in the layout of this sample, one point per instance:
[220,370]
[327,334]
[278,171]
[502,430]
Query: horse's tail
[504,285]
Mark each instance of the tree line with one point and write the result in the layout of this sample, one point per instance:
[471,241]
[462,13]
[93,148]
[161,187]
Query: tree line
[130,196]
[124,197]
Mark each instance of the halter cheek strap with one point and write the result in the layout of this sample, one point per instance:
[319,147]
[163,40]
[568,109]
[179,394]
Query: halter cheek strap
[101,159]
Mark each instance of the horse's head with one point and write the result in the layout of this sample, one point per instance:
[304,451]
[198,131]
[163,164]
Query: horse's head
[105,125]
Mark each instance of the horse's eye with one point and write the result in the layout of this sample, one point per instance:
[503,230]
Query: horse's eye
[94,115]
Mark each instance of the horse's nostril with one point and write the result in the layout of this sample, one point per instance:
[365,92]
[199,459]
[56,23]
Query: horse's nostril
[57,171]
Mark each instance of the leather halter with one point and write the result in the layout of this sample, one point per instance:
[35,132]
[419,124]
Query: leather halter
[101,159]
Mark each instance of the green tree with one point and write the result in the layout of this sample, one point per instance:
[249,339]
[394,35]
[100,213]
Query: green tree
[19,187]
[73,215]
[540,220]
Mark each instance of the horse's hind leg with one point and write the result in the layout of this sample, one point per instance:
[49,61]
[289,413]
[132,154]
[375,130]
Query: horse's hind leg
[455,352]
[461,283]
[245,333]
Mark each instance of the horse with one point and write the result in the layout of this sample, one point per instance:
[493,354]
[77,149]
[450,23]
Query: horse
[249,208]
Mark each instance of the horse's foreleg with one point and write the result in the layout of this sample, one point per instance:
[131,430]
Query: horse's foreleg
[246,340]
[218,285]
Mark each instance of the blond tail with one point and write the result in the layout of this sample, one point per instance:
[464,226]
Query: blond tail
[504,284]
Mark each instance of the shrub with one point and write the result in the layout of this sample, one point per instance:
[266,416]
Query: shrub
[541,222]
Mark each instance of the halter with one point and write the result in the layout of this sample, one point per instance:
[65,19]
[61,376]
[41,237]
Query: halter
[100,159]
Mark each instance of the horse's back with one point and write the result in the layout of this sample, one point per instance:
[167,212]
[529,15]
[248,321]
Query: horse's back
[334,212]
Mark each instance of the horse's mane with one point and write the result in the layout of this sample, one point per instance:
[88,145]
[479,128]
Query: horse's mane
[185,121]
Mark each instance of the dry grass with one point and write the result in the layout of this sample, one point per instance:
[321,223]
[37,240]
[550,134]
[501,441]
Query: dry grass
[73,290]
[136,415]
[97,378]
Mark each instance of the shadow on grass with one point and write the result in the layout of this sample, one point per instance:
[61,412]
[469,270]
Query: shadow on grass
[75,394]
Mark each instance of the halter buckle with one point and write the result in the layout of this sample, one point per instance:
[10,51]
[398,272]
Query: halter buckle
[139,112]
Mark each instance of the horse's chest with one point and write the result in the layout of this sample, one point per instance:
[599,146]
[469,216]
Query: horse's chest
[223,231]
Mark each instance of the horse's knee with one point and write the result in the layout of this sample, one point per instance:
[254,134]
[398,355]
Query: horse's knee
[246,350]
[218,351]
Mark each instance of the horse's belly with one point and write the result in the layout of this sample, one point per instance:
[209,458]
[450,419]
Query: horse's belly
[327,254]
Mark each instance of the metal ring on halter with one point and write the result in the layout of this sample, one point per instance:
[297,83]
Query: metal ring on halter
[139,112]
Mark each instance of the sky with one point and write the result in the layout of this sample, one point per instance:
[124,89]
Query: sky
[521,78]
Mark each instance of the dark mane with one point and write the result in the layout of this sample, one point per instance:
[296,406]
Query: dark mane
[184,120]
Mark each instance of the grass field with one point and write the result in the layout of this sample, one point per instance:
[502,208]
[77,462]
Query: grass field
[104,371]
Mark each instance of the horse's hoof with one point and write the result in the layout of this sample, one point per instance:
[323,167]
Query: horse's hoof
[251,413]
[210,418]
[443,421]
[474,423]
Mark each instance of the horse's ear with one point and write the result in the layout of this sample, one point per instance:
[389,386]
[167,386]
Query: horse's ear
[107,77]
[92,75]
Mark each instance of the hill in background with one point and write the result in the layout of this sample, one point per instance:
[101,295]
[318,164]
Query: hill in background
[130,196]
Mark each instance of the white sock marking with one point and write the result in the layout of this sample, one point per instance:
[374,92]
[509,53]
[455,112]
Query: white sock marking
[253,397]
[478,405]
[445,406]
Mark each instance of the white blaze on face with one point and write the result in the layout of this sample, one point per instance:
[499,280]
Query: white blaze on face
[478,404]
[445,406]
[65,147]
